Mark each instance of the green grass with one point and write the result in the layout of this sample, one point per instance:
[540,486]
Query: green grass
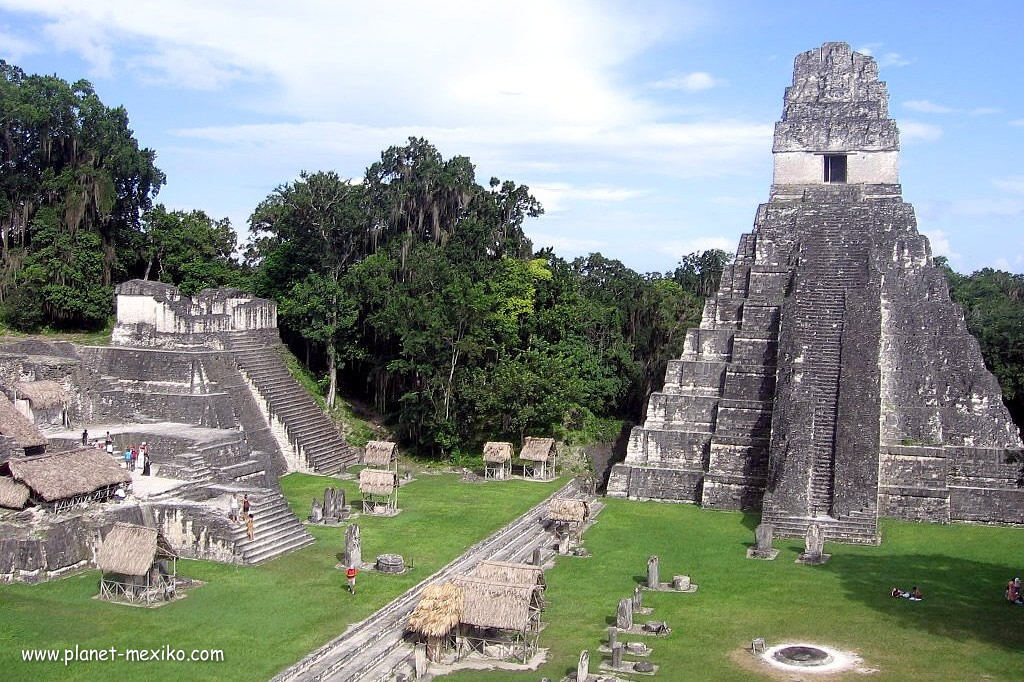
[98,337]
[962,630]
[264,617]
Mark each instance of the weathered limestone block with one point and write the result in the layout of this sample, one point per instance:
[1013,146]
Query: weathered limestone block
[652,572]
[353,555]
[583,667]
[624,615]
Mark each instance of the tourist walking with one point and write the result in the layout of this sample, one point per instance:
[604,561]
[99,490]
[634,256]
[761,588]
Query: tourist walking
[250,529]
[350,574]
[142,463]
[135,457]
[245,505]
[109,444]
[128,459]
[85,437]
[233,508]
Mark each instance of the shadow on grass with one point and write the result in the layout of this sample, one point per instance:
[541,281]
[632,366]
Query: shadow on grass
[963,598]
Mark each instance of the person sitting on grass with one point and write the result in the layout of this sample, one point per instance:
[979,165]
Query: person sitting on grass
[896,592]
[1013,593]
[915,594]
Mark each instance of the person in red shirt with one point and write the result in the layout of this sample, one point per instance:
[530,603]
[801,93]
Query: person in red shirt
[350,574]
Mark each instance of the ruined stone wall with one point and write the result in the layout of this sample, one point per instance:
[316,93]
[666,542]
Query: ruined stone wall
[53,546]
[157,315]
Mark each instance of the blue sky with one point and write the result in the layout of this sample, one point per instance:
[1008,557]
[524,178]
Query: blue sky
[644,128]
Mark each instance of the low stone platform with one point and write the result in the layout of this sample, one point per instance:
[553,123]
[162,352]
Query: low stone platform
[762,554]
[627,667]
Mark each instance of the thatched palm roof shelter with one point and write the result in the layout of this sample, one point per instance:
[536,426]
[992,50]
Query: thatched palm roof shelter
[538,454]
[497,452]
[42,394]
[14,424]
[497,460]
[438,611]
[67,478]
[380,453]
[537,449]
[509,573]
[131,550]
[13,495]
[497,605]
[379,490]
[568,510]
[133,561]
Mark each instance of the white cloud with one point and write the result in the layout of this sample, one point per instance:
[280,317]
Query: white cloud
[984,111]
[392,63]
[677,149]
[86,38]
[940,244]
[892,59]
[1014,184]
[1018,122]
[927,107]
[13,48]
[555,196]
[868,48]
[690,82]
[916,131]
[1001,264]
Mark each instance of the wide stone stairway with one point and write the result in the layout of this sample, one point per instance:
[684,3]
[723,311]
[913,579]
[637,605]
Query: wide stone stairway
[312,435]
[276,529]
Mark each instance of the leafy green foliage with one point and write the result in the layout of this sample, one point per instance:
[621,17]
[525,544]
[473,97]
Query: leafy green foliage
[993,303]
[74,186]
[190,250]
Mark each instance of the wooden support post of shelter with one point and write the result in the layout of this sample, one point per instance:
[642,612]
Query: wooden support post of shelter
[568,515]
[381,454]
[497,460]
[133,561]
[378,489]
[538,456]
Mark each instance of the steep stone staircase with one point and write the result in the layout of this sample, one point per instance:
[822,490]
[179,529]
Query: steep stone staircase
[860,527]
[309,430]
[276,530]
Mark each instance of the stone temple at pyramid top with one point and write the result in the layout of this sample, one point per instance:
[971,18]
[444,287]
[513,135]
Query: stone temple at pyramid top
[835,125]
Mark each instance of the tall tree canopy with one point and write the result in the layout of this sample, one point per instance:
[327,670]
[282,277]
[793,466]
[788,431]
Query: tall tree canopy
[73,190]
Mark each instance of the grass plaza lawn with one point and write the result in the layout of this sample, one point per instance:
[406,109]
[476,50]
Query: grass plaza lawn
[963,630]
[263,617]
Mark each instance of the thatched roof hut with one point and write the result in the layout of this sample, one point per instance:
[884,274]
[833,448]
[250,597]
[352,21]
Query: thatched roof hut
[13,495]
[131,550]
[14,424]
[67,474]
[380,453]
[438,611]
[377,482]
[568,510]
[497,453]
[495,605]
[42,394]
[508,572]
[537,449]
